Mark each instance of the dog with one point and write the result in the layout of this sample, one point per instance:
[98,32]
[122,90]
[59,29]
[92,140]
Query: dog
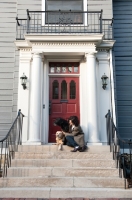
[60,137]
[62,123]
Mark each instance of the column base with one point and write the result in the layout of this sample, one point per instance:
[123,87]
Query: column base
[94,143]
[32,143]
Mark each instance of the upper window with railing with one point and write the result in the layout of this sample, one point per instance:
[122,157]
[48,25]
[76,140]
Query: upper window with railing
[64,16]
[59,11]
[64,12]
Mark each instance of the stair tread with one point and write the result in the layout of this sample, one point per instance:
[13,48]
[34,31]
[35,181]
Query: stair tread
[61,177]
[51,192]
[39,167]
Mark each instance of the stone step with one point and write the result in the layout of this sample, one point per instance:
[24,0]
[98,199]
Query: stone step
[51,192]
[63,163]
[63,182]
[53,148]
[63,155]
[62,172]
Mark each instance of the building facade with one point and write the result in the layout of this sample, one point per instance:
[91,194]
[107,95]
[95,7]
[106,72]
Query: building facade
[63,48]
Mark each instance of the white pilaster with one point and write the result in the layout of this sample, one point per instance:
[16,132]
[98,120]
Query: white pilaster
[92,99]
[104,96]
[23,95]
[35,101]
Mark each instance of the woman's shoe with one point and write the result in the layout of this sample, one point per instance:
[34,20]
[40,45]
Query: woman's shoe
[77,148]
[83,148]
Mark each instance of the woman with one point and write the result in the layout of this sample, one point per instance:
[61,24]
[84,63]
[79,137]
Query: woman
[75,137]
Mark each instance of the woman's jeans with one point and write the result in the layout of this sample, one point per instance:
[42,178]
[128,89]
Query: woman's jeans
[70,141]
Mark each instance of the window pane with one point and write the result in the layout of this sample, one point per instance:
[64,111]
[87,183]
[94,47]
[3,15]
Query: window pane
[72,90]
[52,69]
[63,90]
[67,5]
[55,86]
[63,17]
[76,69]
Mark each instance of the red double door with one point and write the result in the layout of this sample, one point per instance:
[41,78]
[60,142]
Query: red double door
[63,101]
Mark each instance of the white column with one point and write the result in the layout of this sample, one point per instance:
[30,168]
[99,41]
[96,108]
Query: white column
[35,100]
[92,99]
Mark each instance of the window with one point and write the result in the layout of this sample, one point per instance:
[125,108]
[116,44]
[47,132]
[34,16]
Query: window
[54,16]
[55,90]
[63,90]
[63,12]
[64,5]
[72,90]
[63,68]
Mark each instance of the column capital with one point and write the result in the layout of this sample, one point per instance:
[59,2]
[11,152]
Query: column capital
[89,54]
[38,55]
[103,56]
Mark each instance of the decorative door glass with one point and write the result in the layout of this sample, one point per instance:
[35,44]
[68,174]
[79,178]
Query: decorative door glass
[63,90]
[72,90]
[55,90]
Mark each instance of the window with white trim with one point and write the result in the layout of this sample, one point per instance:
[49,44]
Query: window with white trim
[67,5]
[64,11]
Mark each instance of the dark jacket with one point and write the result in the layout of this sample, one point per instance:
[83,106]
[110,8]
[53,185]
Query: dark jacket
[78,135]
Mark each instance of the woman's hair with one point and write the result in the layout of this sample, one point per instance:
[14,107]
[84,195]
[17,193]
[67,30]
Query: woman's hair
[74,120]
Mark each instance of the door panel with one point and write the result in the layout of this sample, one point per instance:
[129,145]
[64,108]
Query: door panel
[64,101]
[71,108]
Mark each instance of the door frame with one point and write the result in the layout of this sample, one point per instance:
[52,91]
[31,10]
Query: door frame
[45,89]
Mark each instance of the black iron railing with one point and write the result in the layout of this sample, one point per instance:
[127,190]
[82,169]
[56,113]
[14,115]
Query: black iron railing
[122,151]
[9,144]
[60,22]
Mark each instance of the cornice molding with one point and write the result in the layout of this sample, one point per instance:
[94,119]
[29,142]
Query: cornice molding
[26,49]
[63,44]
[103,50]
[104,57]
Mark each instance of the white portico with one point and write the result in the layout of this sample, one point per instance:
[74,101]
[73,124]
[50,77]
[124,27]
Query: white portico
[93,54]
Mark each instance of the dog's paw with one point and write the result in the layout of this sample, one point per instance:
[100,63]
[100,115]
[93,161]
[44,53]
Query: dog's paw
[60,147]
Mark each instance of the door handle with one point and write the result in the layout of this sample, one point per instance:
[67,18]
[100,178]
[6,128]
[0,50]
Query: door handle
[49,107]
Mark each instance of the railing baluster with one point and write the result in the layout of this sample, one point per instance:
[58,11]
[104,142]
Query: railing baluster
[101,21]
[120,155]
[63,22]
[8,143]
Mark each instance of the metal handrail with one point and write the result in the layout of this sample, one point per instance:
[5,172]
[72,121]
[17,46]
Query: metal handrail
[9,144]
[121,149]
[61,22]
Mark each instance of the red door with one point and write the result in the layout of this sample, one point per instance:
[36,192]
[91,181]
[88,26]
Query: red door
[63,101]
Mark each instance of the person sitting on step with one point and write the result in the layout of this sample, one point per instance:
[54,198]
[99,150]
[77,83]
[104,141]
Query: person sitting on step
[75,136]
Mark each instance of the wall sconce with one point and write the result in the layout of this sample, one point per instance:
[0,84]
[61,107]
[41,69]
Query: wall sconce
[104,82]
[23,81]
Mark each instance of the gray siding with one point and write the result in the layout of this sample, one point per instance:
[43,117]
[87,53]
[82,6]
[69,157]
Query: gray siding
[105,5]
[7,59]
[123,64]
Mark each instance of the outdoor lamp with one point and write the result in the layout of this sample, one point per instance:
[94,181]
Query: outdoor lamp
[104,81]
[23,81]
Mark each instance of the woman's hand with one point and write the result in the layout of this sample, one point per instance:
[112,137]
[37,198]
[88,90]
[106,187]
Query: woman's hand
[63,132]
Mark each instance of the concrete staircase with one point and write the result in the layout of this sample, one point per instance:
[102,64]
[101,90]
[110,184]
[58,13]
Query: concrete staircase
[45,172]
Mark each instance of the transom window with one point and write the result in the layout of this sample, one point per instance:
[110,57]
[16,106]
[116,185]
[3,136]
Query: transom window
[63,68]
